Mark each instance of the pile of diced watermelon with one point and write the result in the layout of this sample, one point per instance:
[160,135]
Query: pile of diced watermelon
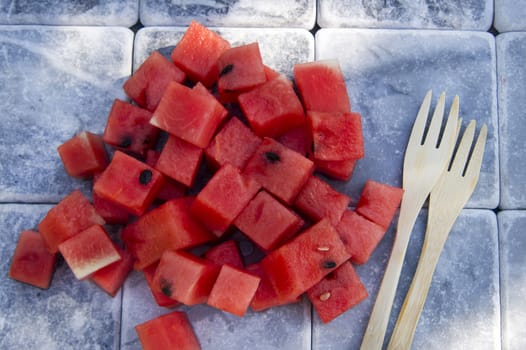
[263,176]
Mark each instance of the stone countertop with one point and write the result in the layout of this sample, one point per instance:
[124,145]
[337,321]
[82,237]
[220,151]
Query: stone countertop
[63,62]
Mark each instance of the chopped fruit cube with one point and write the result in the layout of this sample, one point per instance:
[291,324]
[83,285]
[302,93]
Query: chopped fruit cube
[378,202]
[83,155]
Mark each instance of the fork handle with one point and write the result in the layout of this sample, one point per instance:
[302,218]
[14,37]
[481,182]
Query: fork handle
[405,327]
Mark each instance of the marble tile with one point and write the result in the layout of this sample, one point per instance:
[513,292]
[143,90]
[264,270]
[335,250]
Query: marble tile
[513,277]
[286,327]
[511,49]
[230,13]
[420,14]
[70,12]
[462,307]
[71,314]
[54,83]
[388,72]
[510,15]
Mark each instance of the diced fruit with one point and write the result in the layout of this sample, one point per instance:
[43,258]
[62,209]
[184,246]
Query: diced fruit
[146,86]
[167,227]
[128,128]
[318,200]
[302,262]
[74,213]
[223,198]
[270,73]
[234,143]
[129,183]
[280,170]
[189,114]
[378,202]
[267,222]
[169,331]
[322,86]
[84,155]
[272,108]
[337,292]
[197,53]
[298,139]
[184,277]
[32,263]
[112,277]
[108,210]
[89,251]
[336,136]
[360,236]
[225,253]
[240,69]
[180,160]
[337,169]
[160,298]
[171,189]
[233,300]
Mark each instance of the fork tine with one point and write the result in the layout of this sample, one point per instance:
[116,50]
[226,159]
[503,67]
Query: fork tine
[420,122]
[461,157]
[475,162]
[452,128]
[436,121]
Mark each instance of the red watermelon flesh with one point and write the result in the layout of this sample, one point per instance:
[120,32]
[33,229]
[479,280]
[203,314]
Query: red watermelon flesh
[360,235]
[280,170]
[128,128]
[169,331]
[197,53]
[147,85]
[112,277]
[179,160]
[298,139]
[322,86]
[73,214]
[109,211]
[302,262]
[337,169]
[171,189]
[184,277]
[31,262]
[169,226]
[160,298]
[84,155]
[225,253]
[378,202]
[337,292]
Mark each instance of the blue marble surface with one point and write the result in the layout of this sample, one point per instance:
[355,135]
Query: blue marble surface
[510,15]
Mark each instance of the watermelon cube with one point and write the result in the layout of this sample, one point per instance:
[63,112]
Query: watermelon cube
[171,189]
[160,298]
[169,331]
[267,222]
[169,226]
[89,251]
[337,169]
[270,73]
[272,108]
[129,183]
[234,143]
[197,53]
[233,300]
[280,170]
[108,210]
[128,128]
[240,69]
[318,200]
[336,136]
[73,214]
[378,202]
[322,86]
[226,252]
[189,114]
[179,160]
[298,139]
[146,86]
[32,263]
[112,277]
[302,262]
[184,277]
[360,235]
[223,198]
[84,155]
[337,292]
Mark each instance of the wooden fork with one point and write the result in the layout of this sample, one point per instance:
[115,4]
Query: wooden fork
[424,161]
[446,201]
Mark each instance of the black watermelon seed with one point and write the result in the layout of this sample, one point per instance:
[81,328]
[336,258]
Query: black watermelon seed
[329,264]
[145,177]
[227,69]
[166,287]
[126,141]
[272,157]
